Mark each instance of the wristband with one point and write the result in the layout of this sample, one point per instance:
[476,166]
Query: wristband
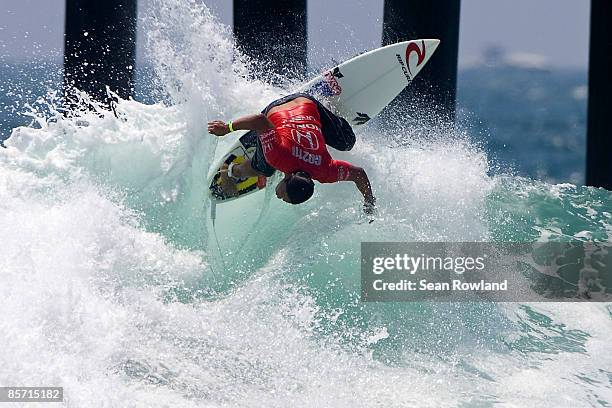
[230,126]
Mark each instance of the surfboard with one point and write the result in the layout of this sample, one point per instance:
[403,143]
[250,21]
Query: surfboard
[357,89]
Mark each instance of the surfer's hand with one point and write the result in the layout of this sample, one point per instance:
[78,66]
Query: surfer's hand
[218,128]
[369,207]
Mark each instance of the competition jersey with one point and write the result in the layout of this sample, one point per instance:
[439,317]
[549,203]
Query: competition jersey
[296,144]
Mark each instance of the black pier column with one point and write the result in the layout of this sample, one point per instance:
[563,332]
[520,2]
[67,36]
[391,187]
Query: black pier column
[435,86]
[273,32]
[599,132]
[99,46]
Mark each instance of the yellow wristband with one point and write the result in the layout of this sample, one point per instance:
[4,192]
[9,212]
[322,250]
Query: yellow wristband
[230,127]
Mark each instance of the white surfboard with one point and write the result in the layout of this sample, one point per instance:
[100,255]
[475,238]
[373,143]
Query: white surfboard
[357,90]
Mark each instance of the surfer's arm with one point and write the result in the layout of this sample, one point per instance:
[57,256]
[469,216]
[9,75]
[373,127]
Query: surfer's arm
[257,122]
[361,180]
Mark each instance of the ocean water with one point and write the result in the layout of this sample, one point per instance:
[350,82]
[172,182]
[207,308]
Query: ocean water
[115,285]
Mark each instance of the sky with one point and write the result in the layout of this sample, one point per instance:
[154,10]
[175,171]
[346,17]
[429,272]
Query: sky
[558,30]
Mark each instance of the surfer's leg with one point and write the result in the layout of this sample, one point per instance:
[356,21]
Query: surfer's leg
[258,161]
[336,130]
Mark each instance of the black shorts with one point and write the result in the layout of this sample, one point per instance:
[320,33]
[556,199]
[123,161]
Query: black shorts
[336,131]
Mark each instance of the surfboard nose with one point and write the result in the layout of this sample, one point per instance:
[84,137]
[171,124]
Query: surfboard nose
[418,53]
[432,44]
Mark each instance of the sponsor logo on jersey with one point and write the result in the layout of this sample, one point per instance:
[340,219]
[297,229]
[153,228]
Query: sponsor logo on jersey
[342,173]
[267,148]
[307,157]
[267,136]
[300,118]
[267,140]
[305,139]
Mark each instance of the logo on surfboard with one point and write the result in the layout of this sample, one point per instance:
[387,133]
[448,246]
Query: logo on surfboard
[361,118]
[412,48]
[329,85]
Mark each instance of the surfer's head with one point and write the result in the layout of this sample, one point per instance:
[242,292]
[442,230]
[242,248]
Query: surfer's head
[295,188]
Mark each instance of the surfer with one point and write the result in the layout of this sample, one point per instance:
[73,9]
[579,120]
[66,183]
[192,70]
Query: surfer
[291,136]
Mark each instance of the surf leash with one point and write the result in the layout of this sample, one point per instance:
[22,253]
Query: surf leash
[213,217]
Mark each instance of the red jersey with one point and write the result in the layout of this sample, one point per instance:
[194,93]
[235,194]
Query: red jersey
[297,144]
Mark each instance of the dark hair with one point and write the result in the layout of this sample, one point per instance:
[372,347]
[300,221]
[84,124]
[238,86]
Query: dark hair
[299,187]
